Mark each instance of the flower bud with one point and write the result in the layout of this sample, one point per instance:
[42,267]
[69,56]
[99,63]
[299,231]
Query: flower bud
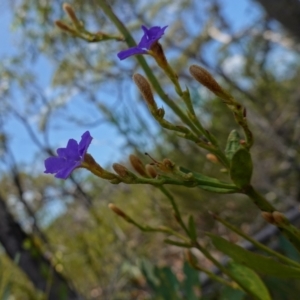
[71,13]
[118,211]
[151,171]
[206,79]
[145,89]
[279,218]
[61,25]
[120,170]
[138,165]
[212,158]
[168,163]
[268,216]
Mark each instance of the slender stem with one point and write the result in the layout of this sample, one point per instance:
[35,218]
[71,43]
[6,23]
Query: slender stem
[156,85]
[220,266]
[175,207]
[199,247]
[257,244]
[212,259]
[290,231]
[258,199]
[213,276]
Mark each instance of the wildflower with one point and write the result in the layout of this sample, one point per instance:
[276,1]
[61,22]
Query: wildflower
[150,36]
[68,158]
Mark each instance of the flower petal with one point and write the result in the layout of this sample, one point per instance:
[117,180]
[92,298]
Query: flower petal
[68,158]
[131,51]
[61,152]
[151,35]
[65,172]
[72,152]
[86,140]
[54,164]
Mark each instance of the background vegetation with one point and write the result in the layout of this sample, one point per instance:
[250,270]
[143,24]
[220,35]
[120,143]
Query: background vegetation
[54,87]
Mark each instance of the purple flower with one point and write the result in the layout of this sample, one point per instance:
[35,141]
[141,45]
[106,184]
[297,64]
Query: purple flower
[150,36]
[68,158]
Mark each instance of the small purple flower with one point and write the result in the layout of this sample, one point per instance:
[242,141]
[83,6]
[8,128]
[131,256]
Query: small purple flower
[68,158]
[150,36]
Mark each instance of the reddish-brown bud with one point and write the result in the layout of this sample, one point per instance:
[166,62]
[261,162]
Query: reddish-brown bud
[151,171]
[206,79]
[279,218]
[268,216]
[71,13]
[145,89]
[61,25]
[211,157]
[138,165]
[120,170]
[168,163]
[118,211]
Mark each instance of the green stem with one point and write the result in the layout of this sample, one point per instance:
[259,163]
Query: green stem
[175,207]
[290,231]
[131,43]
[213,276]
[220,266]
[163,229]
[258,199]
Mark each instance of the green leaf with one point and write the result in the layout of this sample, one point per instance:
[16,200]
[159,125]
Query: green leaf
[218,190]
[233,144]
[162,281]
[192,228]
[229,293]
[148,270]
[211,184]
[191,282]
[249,279]
[288,249]
[169,285]
[241,167]
[261,264]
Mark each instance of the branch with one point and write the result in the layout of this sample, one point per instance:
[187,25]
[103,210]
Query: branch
[33,263]
[286,12]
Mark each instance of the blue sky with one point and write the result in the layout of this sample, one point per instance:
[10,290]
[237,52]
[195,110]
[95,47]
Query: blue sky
[107,143]
[105,146]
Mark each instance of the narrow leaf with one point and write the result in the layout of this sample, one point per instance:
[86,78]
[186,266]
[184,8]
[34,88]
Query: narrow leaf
[241,167]
[233,144]
[249,279]
[258,263]
[191,282]
[229,293]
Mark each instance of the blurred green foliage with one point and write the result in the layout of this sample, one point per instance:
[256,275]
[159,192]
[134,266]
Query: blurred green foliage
[96,251]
